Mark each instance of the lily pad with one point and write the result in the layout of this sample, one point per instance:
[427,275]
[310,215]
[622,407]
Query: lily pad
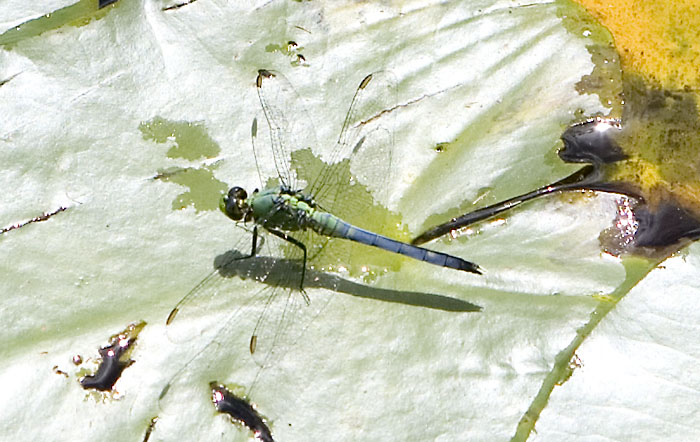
[491,84]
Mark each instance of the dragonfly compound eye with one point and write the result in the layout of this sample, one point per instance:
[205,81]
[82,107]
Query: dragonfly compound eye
[234,204]
[237,193]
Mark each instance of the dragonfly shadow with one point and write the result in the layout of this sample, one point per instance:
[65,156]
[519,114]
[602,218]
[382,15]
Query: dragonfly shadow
[276,272]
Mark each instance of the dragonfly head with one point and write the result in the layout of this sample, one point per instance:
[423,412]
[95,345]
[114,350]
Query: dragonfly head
[235,204]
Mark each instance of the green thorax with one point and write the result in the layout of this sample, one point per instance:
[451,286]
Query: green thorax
[281,208]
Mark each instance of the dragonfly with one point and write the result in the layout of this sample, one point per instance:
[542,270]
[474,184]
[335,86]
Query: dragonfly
[303,217]
[283,209]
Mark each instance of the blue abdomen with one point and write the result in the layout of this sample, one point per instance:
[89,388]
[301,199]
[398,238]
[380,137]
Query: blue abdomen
[329,225]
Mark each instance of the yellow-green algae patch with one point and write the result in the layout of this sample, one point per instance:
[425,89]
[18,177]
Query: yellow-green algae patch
[659,52]
[606,78]
[652,155]
[656,39]
[205,189]
[189,141]
[661,136]
[77,14]
[354,204]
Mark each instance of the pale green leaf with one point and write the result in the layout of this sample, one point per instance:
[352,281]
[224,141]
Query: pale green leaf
[493,81]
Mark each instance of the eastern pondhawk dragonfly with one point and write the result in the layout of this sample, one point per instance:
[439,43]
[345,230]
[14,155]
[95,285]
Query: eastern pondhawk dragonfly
[283,209]
[303,219]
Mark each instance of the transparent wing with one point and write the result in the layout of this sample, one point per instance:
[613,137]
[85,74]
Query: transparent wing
[216,299]
[226,307]
[364,147]
[255,299]
[286,313]
[275,312]
[355,178]
[289,126]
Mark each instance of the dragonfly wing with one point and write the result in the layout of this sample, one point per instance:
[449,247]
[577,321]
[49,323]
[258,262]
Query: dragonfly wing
[355,183]
[214,301]
[289,126]
[365,144]
[284,320]
[226,306]
[287,311]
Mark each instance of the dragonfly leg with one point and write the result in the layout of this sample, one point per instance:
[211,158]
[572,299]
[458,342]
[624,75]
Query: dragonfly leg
[255,244]
[299,244]
[176,309]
